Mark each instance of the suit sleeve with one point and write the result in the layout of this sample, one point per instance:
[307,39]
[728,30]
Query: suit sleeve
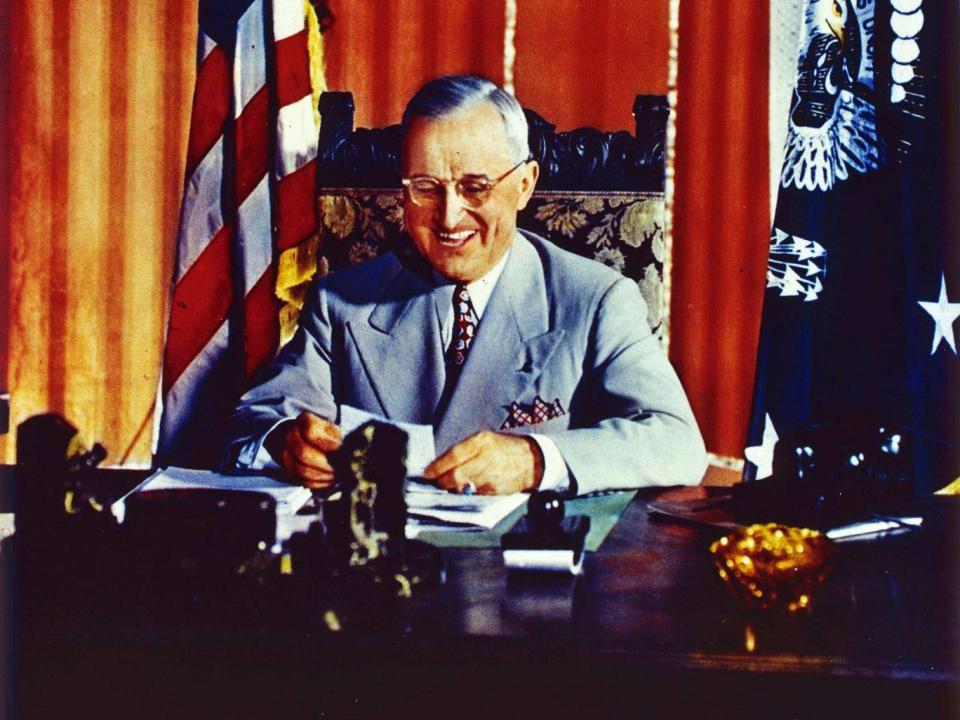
[300,379]
[640,429]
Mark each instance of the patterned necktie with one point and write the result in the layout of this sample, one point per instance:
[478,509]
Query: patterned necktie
[464,327]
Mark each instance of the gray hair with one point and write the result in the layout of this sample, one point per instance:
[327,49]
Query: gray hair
[445,96]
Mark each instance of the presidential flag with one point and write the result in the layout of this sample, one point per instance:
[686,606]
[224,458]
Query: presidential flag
[247,202]
[863,279]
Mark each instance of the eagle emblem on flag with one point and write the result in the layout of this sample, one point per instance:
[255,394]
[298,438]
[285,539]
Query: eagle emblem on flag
[833,121]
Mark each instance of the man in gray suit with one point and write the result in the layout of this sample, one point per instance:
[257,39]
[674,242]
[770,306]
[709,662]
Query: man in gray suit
[535,367]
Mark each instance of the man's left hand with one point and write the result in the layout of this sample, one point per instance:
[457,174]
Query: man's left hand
[492,463]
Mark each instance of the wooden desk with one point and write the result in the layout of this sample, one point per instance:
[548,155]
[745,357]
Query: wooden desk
[649,629]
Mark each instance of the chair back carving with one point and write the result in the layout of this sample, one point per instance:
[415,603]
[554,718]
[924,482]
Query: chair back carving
[584,159]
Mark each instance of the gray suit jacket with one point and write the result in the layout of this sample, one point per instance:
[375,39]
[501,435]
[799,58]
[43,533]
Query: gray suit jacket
[557,326]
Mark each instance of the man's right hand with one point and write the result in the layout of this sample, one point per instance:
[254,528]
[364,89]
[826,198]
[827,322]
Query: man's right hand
[304,447]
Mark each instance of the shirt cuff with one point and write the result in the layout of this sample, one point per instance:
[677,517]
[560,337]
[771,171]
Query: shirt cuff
[254,456]
[556,475]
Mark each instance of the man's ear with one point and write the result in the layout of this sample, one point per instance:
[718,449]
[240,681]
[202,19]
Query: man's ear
[528,181]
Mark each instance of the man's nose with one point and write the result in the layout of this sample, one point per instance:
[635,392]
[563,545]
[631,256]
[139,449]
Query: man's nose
[451,207]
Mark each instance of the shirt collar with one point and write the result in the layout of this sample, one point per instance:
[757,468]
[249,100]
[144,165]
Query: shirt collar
[482,288]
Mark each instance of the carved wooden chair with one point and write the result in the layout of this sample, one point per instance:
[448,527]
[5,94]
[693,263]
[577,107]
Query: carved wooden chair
[599,195]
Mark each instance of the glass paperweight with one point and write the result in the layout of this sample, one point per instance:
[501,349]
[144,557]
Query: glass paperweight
[774,566]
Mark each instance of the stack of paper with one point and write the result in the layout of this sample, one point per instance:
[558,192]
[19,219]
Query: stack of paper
[289,498]
[429,508]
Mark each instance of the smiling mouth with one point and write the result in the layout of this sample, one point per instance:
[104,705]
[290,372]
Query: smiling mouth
[454,239]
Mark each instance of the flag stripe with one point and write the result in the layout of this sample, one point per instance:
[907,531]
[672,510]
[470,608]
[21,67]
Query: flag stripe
[182,387]
[201,302]
[211,107]
[288,18]
[253,225]
[251,145]
[205,46]
[201,218]
[250,66]
[219,18]
[204,379]
[296,136]
[261,329]
[292,70]
[295,207]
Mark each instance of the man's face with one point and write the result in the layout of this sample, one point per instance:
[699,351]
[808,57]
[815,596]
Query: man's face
[462,242]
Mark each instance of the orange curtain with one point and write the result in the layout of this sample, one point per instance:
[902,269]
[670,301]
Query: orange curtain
[582,63]
[721,211]
[383,51]
[99,105]
[577,62]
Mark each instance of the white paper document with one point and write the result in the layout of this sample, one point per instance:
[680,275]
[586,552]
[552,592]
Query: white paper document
[430,508]
[872,528]
[554,560]
[421,448]
[289,498]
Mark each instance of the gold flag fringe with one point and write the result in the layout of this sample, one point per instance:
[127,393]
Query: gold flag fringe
[297,266]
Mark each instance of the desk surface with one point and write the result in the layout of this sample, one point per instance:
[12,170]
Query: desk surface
[649,619]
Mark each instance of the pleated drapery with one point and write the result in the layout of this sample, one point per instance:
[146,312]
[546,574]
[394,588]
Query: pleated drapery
[99,105]
[721,212]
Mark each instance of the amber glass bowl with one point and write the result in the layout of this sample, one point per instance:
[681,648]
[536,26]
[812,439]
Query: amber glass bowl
[774,566]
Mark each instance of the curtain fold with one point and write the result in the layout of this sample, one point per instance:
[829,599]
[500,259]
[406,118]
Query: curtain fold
[721,212]
[383,51]
[582,63]
[99,106]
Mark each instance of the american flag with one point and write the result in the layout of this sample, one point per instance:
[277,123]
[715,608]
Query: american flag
[248,197]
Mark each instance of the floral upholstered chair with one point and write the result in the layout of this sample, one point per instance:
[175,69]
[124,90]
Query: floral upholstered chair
[600,195]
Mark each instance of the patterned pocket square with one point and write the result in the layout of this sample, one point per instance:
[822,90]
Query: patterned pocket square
[520,414]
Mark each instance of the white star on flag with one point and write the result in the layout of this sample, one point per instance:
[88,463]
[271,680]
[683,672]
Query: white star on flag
[762,455]
[943,313]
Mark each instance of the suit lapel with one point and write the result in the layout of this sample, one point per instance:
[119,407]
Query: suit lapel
[512,345]
[401,350]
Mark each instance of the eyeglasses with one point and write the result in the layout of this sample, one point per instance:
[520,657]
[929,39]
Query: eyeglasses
[474,190]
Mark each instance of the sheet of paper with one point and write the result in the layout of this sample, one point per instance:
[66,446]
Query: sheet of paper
[872,528]
[289,498]
[428,503]
[421,449]
[417,525]
[553,560]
